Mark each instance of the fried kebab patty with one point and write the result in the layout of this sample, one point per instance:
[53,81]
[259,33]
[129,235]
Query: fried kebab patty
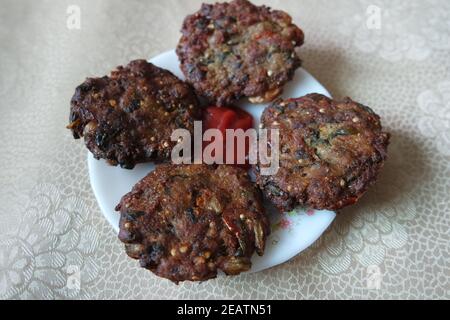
[236,49]
[184,222]
[128,117]
[330,152]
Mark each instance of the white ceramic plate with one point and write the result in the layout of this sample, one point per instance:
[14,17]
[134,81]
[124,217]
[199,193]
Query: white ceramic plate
[291,233]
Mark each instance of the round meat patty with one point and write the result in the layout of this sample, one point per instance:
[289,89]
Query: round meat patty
[184,222]
[236,49]
[128,117]
[330,152]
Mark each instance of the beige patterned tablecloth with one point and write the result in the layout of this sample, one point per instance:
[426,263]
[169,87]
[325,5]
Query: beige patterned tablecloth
[391,55]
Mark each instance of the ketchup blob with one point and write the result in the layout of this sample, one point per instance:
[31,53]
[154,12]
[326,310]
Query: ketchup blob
[223,118]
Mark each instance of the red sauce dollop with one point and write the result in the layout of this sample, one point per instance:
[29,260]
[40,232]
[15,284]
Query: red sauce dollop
[224,118]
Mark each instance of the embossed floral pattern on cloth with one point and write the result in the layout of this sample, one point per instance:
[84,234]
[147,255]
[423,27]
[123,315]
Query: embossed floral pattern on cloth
[52,247]
[390,55]
[404,30]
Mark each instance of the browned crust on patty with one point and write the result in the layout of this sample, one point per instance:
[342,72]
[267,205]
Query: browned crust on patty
[184,222]
[236,49]
[128,117]
[330,152]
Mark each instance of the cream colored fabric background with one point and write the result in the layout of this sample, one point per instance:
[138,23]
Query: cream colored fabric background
[54,237]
